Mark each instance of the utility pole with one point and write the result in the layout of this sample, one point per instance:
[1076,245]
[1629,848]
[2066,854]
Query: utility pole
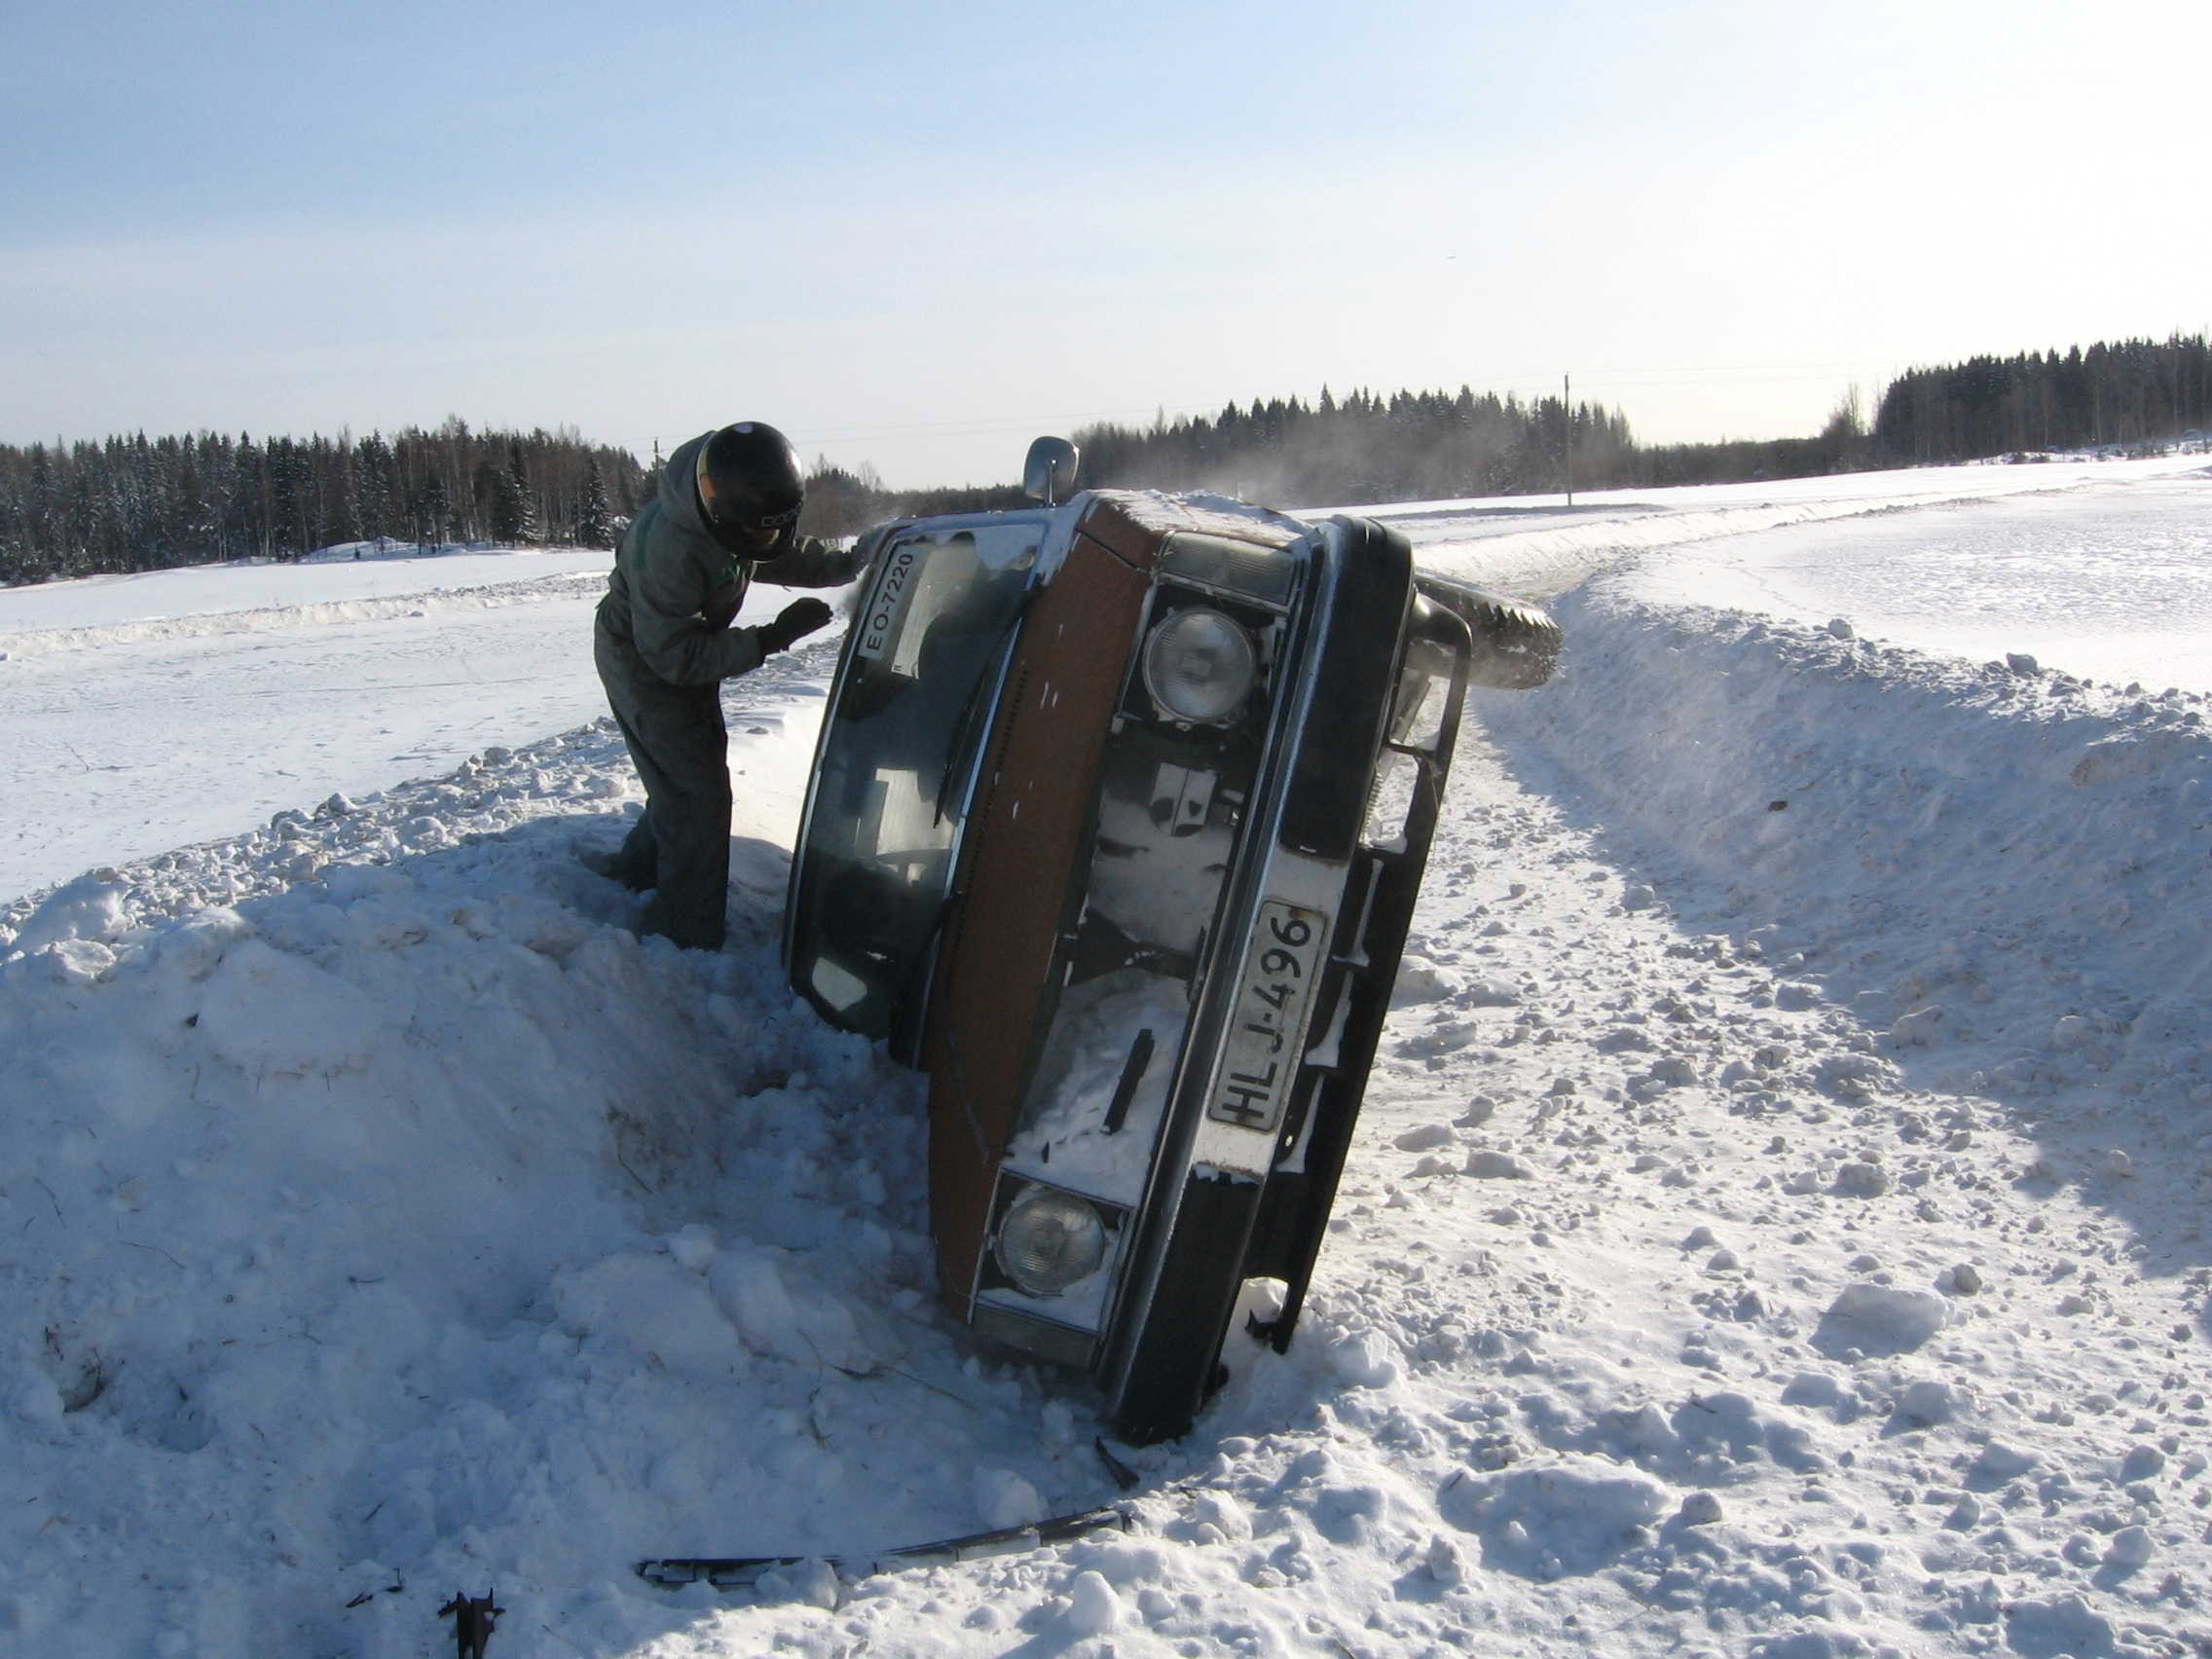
[1566,399]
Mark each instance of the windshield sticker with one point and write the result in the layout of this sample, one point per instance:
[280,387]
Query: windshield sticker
[879,622]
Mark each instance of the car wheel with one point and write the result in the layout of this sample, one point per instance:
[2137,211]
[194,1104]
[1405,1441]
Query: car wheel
[1516,643]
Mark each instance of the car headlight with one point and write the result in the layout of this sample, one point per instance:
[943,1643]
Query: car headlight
[1049,1240]
[1200,666]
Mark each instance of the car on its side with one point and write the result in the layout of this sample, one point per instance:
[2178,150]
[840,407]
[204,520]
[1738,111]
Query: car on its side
[1115,828]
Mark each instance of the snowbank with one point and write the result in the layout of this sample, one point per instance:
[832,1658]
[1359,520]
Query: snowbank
[265,619]
[1776,1228]
[2001,868]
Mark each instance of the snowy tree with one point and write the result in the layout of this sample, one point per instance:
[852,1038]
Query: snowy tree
[529,525]
[432,511]
[374,485]
[595,519]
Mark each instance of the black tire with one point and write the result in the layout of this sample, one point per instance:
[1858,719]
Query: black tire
[1517,644]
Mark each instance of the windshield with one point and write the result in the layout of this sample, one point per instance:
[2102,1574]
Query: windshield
[890,779]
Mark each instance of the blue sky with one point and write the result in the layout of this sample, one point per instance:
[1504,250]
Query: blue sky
[916,235]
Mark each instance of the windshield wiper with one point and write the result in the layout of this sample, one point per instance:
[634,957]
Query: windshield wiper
[961,727]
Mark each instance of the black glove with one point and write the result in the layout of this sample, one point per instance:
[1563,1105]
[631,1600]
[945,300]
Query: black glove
[794,621]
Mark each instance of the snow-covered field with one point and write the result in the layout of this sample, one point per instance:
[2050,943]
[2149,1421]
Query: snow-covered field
[1778,1226]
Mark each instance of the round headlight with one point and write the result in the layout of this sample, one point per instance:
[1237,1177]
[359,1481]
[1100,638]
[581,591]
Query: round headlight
[1049,1240]
[1199,666]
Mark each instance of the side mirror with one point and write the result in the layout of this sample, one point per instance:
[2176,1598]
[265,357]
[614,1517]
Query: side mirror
[1048,474]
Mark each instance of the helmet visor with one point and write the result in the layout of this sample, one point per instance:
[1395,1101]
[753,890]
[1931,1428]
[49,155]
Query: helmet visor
[740,522]
[749,489]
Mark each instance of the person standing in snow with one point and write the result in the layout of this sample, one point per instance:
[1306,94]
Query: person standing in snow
[727,511]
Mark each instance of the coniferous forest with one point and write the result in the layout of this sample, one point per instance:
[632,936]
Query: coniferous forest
[2134,392]
[138,503]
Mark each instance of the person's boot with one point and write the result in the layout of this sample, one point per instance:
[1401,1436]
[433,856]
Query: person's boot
[610,866]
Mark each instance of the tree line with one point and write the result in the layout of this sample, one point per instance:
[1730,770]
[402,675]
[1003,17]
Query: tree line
[1435,446]
[135,505]
[1367,448]
[139,504]
[2130,392]
[1363,448]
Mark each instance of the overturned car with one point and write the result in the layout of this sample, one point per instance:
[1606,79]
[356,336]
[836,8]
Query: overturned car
[1115,824]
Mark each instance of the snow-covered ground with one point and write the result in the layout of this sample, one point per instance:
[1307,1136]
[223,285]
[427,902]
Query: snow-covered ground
[1776,1228]
[146,711]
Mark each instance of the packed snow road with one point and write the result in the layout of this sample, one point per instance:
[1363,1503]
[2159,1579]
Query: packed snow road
[1776,1226]
[120,738]
[146,712]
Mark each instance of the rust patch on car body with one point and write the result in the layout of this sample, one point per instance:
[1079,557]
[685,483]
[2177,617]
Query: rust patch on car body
[1035,806]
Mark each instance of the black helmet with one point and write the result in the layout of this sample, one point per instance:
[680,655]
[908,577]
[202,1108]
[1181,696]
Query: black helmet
[749,489]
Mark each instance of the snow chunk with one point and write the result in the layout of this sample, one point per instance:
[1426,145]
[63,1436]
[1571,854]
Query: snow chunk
[195,945]
[2130,1549]
[1489,1164]
[2071,1031]
[2141,1464]
[1093,1608]
[811,1327]
[1420,981]
[2127,755]
[1921,1028]
[77,961]
[1575,1516]
[812,1583]
[1815,1388]
[34,1399]
[2065,1625]
[1222,1513]
[2001,1462]
[1444,1562]
[268,1011]
[1861,1180]
[1004,1499]
[91,908]
[1426,1138]
[1644,1432]
[1365,1359]
[1122,1562]
[694,1248]
[1490,993]
[1880,1319]
[1929,1401]
[640,1306]
[1700,1509]
[1732,1424]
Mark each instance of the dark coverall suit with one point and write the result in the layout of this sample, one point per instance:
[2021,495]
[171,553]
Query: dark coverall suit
[663,645]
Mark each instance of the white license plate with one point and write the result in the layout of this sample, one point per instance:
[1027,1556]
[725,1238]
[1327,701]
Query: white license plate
[1267,1033]
[877,625]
